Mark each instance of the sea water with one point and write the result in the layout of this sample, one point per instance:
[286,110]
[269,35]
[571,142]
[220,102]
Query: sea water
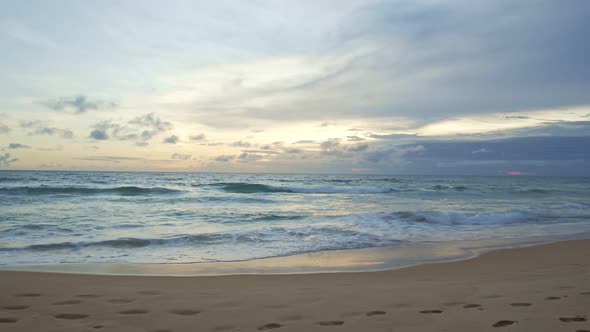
[119,217]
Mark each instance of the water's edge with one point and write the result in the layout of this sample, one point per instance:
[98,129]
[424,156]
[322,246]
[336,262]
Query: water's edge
[331,261]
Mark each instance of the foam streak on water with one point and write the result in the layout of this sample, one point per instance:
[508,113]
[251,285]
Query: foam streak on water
[88,217]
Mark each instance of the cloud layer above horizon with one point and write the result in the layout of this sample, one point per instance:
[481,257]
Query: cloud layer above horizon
[428,87]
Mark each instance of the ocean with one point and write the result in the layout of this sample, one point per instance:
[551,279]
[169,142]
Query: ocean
[119,217]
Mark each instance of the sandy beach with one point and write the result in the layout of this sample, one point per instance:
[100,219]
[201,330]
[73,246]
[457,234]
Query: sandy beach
[540,288]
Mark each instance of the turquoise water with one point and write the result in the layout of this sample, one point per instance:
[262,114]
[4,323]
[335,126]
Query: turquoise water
[111,217]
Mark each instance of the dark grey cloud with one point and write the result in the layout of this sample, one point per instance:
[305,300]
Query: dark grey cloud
[6,160]
[18,146]
[305,141]
[171,139]
[546,155]
[181,156]
[431,60]
[517,148]
[199,137]
[78,104]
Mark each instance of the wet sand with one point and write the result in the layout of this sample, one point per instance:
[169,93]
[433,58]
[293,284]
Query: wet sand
[540,288]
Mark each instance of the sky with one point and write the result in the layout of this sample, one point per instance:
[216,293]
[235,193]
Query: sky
[329,86]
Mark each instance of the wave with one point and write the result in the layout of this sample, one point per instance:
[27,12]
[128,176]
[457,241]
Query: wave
[251,188]
[122,191]
[459,218]
[326,237]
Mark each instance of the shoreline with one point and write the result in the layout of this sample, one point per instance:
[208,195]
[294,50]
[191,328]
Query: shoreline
[327,261]
[535,288]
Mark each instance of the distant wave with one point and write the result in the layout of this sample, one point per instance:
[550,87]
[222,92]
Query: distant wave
[250,188]
[443,187]
[122,191]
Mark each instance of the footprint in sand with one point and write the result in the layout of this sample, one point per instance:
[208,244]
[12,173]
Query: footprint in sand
[70,316]
[503,323]
[521,304]
[436,311]
[572,319]
[66,302]
[375,312]
[549,298]
[8,320]
[120,301]
[97,327]
[331,323]
[28,295]
[270,326]
[16,307]
[184,312]
[472,305]
[134,312]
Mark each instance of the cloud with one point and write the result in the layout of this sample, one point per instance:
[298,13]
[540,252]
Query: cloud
[171,139]
[245,157]
[78,104]
[224,158]
[140,129]
[39,128]
[393,155]
[199,137]
[4,128]
[113,159]
[99,134]
[241,144]
[18,146]
[331,147]
[357,148]
[261,151]
[6,160]
[52,131]
[354,138]
[181,156]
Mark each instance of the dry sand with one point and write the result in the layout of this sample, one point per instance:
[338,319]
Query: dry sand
[541,288]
